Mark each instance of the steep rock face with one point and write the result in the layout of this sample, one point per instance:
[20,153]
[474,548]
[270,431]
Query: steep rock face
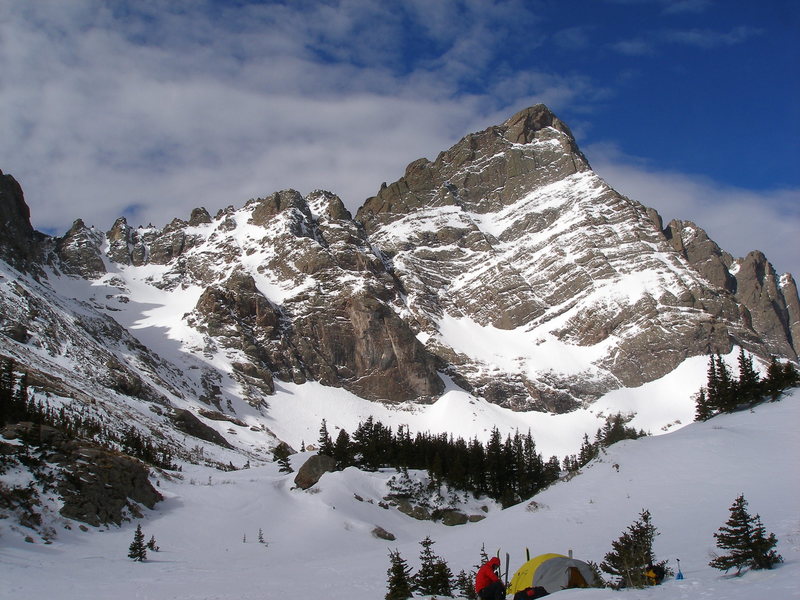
[768,303]
[19,243]
[702,253]
[771,303]
[79,251]
[312,301]
[484,172]
[510,231]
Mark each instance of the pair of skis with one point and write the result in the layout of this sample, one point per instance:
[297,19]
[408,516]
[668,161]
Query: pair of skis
[508,560]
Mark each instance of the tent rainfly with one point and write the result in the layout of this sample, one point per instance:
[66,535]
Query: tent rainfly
[553,572]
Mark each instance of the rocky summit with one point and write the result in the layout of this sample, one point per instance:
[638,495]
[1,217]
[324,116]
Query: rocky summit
[506,266]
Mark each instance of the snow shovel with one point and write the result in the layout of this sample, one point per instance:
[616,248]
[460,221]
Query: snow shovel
[680,574]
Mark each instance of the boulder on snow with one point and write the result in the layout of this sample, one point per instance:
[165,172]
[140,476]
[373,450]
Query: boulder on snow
[188,423]
[381,533]
[314,468]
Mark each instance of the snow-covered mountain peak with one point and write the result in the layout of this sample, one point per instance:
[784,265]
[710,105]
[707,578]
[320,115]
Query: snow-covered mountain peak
[505,267]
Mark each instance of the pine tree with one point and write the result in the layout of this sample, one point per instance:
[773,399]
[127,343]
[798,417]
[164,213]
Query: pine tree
[434,576]
[734,536]
[399,574]
[748,387]
[325,442]
[588,451]
[703,409]
[465,584]
[791,377]
[281,454]
[712,387]
[763,544]
[727,399]
[342,450]
[632,553]
[6,390]
[137,550]
[745,539]
[152,545]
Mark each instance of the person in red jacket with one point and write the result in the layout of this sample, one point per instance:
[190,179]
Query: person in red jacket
[487,582]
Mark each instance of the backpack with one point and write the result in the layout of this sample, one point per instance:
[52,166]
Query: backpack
[531,592]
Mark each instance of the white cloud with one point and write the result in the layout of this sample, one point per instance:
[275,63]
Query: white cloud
[707,38]
[700,38]
[151,109]
[739,220]
[152,113]
[669,7]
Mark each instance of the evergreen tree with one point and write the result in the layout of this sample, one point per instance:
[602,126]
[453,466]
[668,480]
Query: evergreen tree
[772,386]
[484,555]
[727,399]
[588,451]
[791,377]
[748,388]
[281,454]
[495,465]
[399,574]
[137,550]
[632,553]
[552,471]
[6,391]
[615,430]
[703,409]
[434,576]
[151,544]
[745,539]
[325,442]
[712,386]
[763,544]
[465,584]
[342,450]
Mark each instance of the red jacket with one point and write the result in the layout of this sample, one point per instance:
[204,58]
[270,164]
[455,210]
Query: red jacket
[486,574]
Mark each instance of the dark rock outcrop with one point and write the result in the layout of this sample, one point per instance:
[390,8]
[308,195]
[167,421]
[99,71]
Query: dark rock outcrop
[19,242]
[188,423]
[702,253]
[771,305]
[98,486]
[79,251]
[313,469]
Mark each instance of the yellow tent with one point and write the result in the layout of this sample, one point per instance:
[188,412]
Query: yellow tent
[553,572]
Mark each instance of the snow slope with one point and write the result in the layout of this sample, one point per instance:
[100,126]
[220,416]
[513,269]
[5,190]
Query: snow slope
[319,542]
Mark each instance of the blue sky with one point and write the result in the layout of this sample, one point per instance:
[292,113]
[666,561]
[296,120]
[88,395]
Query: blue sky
[150,108]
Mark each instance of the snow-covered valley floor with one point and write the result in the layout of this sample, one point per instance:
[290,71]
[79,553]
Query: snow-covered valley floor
[319,542]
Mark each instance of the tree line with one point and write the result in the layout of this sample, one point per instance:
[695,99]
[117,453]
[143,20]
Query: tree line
[509,470]
[725,393]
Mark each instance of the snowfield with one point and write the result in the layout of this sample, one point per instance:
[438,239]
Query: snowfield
[319,543]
